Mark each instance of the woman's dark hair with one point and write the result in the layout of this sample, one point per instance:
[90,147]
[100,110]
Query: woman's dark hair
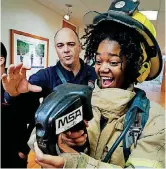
[128,39]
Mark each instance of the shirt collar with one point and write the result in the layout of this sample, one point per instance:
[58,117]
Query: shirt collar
[69,75]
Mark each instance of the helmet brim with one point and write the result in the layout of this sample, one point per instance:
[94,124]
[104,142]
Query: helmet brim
[95,18]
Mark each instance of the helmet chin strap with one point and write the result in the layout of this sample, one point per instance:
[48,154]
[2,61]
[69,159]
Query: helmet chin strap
[145,68]
[144,72]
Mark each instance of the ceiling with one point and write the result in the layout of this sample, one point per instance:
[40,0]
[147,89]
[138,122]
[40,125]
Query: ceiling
[80,7]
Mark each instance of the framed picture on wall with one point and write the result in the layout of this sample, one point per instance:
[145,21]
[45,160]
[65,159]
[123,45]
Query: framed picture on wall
[69,25]
[31,50]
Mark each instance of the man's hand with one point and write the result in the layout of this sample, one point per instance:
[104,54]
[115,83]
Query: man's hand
[15,81]
[47,161]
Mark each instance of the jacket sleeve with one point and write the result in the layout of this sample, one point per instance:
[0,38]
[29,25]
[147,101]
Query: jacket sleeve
[84,161]
[150,150]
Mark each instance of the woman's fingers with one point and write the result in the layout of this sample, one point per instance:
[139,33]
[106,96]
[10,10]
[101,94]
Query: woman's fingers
[47,160]
[74,135]
[64,146]
[73,138]
[43,165]
[50,160]
[39,153]
[67,140]
[81,140]
[74,141]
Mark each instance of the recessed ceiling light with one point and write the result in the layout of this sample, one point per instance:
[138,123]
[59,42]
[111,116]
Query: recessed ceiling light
[151,15]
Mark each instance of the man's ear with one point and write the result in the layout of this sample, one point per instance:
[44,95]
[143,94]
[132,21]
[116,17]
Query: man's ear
[2,60]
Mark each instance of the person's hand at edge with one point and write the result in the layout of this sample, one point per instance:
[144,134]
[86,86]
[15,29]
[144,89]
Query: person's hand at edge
[15,82]
[22,155]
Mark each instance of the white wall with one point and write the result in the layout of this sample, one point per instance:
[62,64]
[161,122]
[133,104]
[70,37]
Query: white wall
[31,17]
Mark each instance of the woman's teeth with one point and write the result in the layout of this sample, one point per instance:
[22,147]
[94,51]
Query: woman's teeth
[107,80]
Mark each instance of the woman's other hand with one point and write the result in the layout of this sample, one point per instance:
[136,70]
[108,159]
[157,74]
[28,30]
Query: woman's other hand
[47,161]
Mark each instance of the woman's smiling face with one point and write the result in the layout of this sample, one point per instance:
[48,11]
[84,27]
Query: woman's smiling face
[109,66]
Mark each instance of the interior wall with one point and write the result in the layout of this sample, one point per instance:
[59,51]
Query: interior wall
[81,33]
[31,17]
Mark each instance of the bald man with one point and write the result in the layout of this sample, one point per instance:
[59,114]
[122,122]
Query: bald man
[70,68]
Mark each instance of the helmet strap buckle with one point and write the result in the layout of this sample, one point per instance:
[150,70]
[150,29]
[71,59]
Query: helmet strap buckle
[144,71]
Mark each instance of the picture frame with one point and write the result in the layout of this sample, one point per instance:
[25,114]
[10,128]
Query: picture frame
[31,50]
